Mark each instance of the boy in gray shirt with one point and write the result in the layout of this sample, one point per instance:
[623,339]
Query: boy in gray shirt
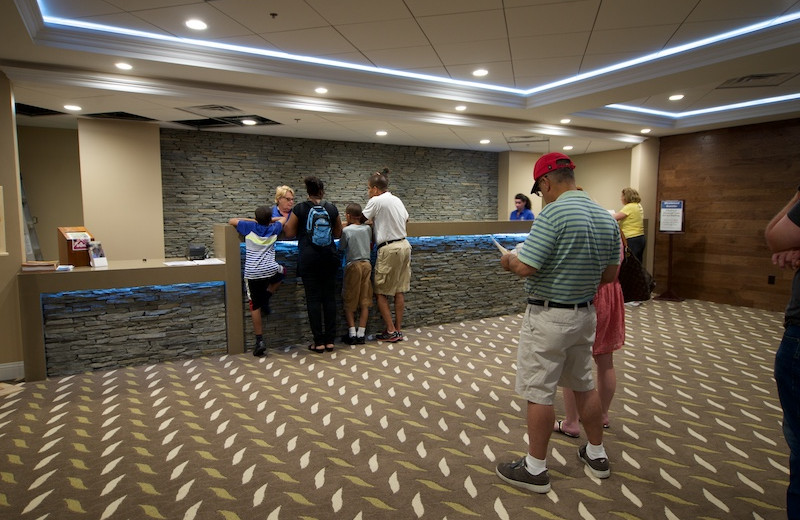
[357,284]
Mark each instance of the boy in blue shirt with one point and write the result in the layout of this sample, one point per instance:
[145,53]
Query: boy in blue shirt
[357,284]
[262,274]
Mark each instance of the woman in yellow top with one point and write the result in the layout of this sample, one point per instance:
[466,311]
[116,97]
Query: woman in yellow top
[631,222]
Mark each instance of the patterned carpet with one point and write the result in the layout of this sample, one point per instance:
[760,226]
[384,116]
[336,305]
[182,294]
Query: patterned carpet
[405,431]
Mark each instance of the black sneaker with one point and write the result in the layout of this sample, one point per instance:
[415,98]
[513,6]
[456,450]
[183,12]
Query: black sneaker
[515,474]
[347,339]
[599,467]
[391,337]
[260,350]
[360,340]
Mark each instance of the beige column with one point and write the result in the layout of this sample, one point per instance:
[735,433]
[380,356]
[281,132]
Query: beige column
[644,177]
[12,248]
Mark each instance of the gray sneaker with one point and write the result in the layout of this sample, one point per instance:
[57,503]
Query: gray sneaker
[599,467]
[515,474]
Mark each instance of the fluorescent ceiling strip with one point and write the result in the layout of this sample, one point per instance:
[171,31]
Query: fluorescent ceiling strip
[78,24]
[439,79]
[668,52]
[710,110]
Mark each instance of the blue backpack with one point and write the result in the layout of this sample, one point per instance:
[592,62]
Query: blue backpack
[318,226]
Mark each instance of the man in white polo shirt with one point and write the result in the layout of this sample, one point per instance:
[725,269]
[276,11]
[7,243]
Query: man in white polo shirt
[392,273]
[573,245]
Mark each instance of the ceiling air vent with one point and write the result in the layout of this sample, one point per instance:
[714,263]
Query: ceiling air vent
[223,122]
[212,110]
[119,115]
[513,139]
[759,80]
[22,109]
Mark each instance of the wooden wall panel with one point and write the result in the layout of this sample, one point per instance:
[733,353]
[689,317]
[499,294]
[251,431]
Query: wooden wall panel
[733,180]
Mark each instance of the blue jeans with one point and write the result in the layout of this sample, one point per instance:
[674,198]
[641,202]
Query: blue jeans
[787,377]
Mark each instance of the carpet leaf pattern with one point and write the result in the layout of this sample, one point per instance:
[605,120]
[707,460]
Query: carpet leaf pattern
[411,430]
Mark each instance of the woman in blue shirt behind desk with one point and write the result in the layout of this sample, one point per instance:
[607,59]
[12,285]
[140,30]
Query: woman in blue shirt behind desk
[523,208]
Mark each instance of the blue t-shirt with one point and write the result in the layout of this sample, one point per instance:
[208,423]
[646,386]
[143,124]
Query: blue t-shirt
[526,215]
[259,242]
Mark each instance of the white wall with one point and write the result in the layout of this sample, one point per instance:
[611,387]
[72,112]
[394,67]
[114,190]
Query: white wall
[603,175]
[121,182]
[52,182]
[516,176]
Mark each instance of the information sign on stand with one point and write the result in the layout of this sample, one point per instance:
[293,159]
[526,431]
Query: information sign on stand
[671,216]
[671,222]
[73,246]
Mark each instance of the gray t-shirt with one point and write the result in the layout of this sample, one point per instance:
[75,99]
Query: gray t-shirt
[792,316]
[355,242]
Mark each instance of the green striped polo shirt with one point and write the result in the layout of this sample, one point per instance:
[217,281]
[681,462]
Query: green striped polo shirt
[571,242]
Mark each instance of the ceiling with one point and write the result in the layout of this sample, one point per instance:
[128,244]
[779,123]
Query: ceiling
[402,66]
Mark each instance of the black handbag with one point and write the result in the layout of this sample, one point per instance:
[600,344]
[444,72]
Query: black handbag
[636,282]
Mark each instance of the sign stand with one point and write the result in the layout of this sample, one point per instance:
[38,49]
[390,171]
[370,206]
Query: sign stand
[670,222]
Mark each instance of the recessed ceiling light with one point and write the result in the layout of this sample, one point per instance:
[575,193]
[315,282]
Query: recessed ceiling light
[645,130]
[74,108]
[381,133]
[479,73]
[676,97]
[248,122]
[123,66]
[566,121]
[461,108]
[197,25]
[568,147]
[321,90]
[485,141]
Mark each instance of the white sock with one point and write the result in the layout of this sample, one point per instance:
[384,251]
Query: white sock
[361,332]
[352,332]
[595,452]
[534,465]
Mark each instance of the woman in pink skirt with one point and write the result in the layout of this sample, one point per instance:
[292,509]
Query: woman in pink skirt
[610,336]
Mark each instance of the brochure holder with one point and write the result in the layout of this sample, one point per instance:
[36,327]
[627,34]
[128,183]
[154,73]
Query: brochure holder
[73,246]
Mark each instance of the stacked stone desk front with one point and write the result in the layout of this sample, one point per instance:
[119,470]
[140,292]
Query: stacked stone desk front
[131,312]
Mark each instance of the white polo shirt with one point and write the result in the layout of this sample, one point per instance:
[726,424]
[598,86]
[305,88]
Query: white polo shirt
[388,215]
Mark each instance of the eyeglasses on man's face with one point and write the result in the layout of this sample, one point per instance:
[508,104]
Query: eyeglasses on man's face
[538,185]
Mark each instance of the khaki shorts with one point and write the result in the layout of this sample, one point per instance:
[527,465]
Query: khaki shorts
[555,349]
[357,286]
[393,268]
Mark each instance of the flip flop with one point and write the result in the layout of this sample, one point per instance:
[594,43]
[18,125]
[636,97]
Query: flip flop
[312,348]
[562,432]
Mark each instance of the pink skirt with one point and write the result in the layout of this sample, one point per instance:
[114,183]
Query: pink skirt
[610,306]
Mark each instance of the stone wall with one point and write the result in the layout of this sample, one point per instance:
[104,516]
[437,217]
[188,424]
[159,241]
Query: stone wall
[104,329]
[209,177]
[453,279]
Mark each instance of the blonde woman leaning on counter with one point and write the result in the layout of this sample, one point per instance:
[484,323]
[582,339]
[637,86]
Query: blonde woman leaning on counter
[631,222]
[284,202]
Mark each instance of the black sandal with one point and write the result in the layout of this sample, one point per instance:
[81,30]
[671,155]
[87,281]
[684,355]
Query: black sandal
[329,349]
[314,349]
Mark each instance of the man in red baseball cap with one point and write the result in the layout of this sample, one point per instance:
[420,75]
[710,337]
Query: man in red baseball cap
[573,245]
[546,164]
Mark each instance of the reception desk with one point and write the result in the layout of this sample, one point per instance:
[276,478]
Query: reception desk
[89,285]
[143,311]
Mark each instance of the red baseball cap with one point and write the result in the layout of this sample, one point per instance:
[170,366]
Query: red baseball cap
[548,163]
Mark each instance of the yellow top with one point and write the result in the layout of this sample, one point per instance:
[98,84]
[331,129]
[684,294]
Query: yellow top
[633,224]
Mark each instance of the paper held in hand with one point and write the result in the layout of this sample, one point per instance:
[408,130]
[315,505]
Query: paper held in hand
[502,249]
